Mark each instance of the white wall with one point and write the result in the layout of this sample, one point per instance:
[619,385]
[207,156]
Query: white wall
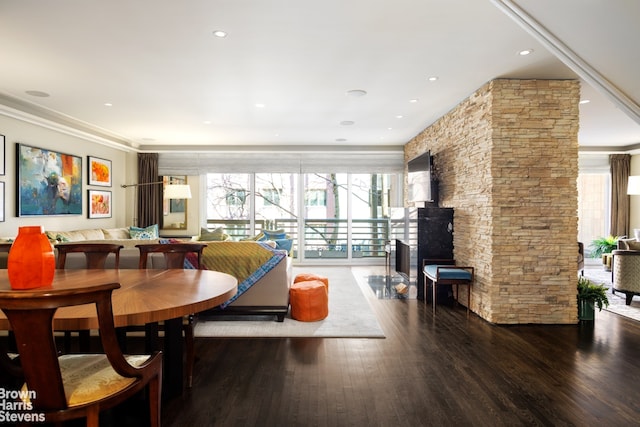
[38,136]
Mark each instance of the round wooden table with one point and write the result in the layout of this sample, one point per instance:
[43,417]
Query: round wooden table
[144,296]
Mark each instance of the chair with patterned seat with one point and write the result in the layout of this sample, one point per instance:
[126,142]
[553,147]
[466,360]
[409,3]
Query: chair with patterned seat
[65,387]
[175,255]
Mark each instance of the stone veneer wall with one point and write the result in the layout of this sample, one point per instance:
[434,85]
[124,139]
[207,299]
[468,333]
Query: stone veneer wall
[507,161]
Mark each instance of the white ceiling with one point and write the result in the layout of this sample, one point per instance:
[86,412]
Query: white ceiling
[167,76]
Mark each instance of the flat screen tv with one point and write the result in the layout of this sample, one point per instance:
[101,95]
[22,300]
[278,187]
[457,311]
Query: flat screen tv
[419,179]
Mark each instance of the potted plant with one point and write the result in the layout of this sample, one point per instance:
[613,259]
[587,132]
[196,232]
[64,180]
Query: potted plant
[602,248]
[590,295]
[603,245]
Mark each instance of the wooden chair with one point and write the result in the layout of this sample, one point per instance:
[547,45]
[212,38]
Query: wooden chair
[96,256]
[174,256]
[79,385]
[95,253]
[174,253]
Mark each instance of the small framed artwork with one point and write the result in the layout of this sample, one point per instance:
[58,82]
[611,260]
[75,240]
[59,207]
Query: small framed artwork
[2,157]
[1,201]
[99,204]
[48,182]
[99,171]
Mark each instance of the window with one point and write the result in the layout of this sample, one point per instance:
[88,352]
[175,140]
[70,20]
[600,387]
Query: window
[315,198]
[344,215]
[594,198]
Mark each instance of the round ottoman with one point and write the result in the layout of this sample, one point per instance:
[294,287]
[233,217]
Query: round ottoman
[309,301]
[305,277]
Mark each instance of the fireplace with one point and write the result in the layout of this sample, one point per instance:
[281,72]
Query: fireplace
[403,259]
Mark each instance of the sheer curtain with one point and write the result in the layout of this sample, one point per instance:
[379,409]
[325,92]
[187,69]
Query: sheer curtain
[149,196]
[620,171]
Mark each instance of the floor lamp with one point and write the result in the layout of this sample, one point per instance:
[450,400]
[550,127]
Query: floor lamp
[633,189]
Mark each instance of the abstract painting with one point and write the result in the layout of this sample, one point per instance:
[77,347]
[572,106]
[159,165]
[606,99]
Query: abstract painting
[99,171]
[99,204]
[48,182]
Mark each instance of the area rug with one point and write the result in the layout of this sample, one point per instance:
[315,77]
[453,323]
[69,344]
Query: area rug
[616,301]
[350,315]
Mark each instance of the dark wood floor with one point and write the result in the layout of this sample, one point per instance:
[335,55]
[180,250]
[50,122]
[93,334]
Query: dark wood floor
[447,370]
[428,371]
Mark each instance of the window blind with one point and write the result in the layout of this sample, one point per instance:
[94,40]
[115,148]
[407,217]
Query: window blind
[378,159]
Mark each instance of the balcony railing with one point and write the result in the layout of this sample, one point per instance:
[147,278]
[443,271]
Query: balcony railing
[323,238]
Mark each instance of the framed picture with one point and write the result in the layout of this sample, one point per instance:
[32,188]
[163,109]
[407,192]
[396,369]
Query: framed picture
[99,204]
[48,182]
[2,159]
[1,201]
[99,171]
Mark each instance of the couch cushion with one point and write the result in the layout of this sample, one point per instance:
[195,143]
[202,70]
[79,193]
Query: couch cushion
[146,233]
[632,245]
[215,235]
[116,233]
[274,234]
[75,235]
[449,273]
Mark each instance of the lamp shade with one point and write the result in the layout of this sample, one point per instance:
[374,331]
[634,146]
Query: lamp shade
[633,186]
[177,192]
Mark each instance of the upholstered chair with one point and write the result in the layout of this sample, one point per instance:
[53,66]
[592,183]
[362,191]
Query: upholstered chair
[581,258]
[65,387]
[626,273]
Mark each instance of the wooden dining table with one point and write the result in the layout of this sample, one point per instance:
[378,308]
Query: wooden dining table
[144,296]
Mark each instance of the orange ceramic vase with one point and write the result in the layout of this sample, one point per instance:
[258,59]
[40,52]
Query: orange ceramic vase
[31,263]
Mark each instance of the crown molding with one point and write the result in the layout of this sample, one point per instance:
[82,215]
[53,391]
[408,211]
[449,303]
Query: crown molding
[569,57]
[48,119]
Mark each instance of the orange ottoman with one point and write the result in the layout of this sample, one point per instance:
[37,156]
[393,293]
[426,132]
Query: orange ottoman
[305,277]
[309,301]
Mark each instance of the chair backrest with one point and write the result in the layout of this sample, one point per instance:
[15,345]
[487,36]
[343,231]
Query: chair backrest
[174,253]
[95,253]
[31,315]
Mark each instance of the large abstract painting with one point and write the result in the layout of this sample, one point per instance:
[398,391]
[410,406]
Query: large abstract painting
[48,182]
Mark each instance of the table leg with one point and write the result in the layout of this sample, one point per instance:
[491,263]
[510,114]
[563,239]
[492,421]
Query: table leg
[172,358]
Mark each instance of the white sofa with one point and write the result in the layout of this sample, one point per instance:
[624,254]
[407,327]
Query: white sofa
[269,295]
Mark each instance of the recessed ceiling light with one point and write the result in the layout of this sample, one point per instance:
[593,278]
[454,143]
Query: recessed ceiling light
[219,33]
[585,101]
[432,78]
[347,122]
[38,93]
[413,101]
[260,105]
[207,122]
[108,104]
[356,93]
[389,128]
[525,52]
[399,116]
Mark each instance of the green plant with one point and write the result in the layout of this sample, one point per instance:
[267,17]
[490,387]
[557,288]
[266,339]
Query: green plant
[592,292]
[603,245]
